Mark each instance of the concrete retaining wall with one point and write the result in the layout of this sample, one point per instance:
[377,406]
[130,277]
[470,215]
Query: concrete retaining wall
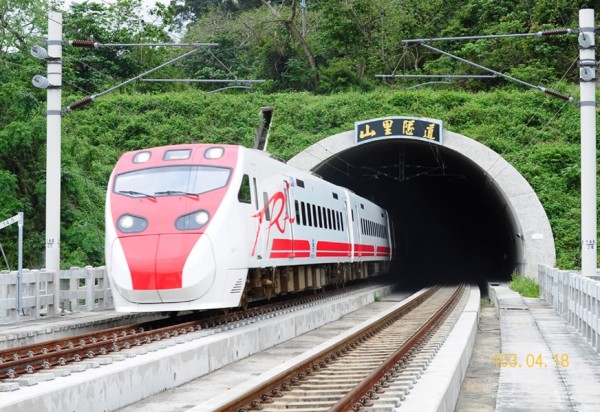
[576,298]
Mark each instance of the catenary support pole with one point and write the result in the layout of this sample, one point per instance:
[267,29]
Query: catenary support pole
[587,62]
[53,151]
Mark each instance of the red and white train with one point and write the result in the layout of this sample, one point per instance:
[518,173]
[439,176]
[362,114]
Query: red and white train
[204,226]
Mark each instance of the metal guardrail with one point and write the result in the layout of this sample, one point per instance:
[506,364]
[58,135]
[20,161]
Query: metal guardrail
[81,290]
[576,298]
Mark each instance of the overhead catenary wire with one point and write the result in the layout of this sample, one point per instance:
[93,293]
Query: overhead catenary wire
[90,44]
[552,32]
[88,99]
[524,83]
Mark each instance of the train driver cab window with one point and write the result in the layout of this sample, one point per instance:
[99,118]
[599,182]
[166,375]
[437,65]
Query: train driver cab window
[244,192]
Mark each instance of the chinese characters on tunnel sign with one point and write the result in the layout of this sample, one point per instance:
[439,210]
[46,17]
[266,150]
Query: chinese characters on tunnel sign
[398,127]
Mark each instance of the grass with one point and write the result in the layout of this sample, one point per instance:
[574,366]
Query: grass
[486,303]
[524,285]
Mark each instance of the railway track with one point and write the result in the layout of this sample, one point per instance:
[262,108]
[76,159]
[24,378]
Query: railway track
[371,367]
[97,346]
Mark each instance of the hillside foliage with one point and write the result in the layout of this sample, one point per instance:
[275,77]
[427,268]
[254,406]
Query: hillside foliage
[319,82]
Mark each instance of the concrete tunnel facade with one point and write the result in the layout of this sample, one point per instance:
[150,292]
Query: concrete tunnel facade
[459,210]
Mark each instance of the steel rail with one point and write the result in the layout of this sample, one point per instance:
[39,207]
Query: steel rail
[358,397]
[282,382]
[31,358]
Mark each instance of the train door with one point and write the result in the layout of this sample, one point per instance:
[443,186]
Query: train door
[274,238]
[257,217]
[348,226]
[357,229]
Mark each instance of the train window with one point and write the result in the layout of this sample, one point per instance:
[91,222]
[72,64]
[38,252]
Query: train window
[336,219]
[314,213]
[244,192]
[341,222]
[309,214]
[329,225]
[266,201]
[255,193]
[303,208]
[352,212]
[300,183]
[298,221]
[320,216]
[172,181]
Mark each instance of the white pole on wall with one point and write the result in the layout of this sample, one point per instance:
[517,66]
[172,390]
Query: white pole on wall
[53,151]
[20,267]
[587,72]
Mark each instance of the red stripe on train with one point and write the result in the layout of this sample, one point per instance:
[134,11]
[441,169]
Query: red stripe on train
[287,248]
[332,249]
[364,250]
[383,251]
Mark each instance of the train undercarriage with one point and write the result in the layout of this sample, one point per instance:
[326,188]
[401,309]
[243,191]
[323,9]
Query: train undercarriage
[266,283]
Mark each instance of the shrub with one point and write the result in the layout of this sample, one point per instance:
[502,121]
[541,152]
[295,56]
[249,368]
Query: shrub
[524,285]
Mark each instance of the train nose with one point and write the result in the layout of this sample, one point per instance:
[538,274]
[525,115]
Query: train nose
[186,267]
[167,267]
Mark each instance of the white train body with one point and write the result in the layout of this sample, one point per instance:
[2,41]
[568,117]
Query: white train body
[206,226]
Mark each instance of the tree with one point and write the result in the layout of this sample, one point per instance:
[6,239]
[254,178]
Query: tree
[119,23]
[189,11]
[289,23]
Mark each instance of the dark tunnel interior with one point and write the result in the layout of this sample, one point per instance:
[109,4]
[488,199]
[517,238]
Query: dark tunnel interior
[450,222]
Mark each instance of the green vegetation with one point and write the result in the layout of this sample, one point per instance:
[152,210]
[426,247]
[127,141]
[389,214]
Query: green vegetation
[526,286]
[486,303]
[319,84]
[535,133]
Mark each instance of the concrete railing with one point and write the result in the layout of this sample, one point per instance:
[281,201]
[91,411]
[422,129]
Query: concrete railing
[576,298]
[81,290]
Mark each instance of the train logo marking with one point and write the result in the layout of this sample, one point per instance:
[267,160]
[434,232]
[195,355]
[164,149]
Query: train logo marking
[275,204]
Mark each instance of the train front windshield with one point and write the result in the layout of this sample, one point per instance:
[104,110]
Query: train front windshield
[171,180]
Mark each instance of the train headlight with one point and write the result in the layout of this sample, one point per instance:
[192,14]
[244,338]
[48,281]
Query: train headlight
[141,157]
[192,221]
[214,153]
[132,224]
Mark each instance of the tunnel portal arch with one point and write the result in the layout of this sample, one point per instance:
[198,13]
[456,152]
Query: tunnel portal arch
[455,198]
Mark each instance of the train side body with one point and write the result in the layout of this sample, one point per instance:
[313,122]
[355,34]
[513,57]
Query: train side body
[186,227]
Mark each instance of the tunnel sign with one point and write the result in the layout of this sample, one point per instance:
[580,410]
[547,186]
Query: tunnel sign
[398,128]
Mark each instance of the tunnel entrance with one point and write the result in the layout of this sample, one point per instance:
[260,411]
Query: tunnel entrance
[448,220]
[459,211]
